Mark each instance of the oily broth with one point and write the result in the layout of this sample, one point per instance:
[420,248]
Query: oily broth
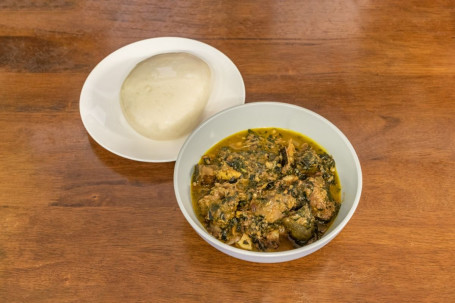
[236,142]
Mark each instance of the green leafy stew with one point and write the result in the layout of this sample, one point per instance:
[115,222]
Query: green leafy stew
[266,189]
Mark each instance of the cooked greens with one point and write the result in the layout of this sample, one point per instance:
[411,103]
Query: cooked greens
[266,189]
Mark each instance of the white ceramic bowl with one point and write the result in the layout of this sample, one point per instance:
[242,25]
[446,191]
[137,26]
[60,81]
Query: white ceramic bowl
[270,114]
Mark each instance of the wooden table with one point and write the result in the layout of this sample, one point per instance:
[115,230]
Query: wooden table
[80,224]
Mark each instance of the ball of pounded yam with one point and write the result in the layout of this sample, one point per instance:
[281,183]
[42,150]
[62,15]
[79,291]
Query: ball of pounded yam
[164,96]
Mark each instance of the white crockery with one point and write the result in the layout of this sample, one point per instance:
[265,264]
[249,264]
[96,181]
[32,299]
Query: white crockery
[100,108]
[269,114]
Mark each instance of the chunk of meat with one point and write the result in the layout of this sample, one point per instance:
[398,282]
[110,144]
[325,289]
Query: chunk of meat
[290,150]
[263,235]
[205,174]
[301,224]
[308,160]
[227,173]
[273,207]
[220,205]
[289,156]
[320,203]
[272,239]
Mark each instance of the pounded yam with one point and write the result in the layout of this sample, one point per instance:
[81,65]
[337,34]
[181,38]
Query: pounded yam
[164,96]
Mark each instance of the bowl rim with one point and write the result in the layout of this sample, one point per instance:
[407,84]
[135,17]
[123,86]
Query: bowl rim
[268,256]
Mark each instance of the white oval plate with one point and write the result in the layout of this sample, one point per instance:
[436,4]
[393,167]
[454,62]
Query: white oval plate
[100,108]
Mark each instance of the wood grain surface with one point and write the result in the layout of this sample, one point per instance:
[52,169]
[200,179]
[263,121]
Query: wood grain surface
[80,224]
